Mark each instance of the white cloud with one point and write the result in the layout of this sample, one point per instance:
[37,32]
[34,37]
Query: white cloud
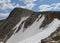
[44,7]
[52,7]
[28,1]
[29,4]
[3,15]
[6,4]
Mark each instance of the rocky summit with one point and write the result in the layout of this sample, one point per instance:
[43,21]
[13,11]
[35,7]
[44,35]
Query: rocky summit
[27,20]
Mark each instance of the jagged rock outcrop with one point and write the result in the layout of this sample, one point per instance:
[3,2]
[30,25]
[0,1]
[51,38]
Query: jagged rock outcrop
[8,27]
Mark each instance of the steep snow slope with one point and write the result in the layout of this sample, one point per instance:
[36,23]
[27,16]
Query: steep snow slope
[30,31]
[43,34]
[39,35]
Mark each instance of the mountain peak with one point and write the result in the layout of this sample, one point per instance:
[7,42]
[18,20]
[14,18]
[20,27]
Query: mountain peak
[25,21]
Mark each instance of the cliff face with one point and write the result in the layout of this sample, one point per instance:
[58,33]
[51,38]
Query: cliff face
[14,22]
[1,21]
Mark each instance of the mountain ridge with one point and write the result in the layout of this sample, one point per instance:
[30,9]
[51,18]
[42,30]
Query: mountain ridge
[16,15]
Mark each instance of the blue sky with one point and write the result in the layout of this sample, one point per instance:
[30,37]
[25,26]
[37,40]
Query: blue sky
[36,5]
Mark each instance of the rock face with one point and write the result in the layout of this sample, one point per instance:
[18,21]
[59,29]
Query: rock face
[7,28]
[1,21]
